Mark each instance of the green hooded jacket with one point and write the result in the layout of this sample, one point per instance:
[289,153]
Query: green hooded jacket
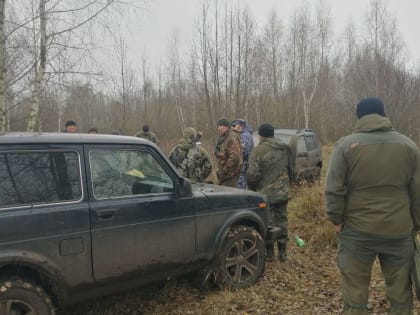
[269,171]
[373,180]
[147,135]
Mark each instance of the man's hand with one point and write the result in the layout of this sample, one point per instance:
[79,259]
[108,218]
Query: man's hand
[338,228]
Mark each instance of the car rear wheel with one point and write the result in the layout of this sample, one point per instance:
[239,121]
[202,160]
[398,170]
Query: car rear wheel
[241,260]
[21,297]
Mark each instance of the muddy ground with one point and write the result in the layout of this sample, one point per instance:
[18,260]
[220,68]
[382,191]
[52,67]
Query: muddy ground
[308,283]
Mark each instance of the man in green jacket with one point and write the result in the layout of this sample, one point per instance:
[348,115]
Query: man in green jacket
[147,134]
[373,188]
[270,172]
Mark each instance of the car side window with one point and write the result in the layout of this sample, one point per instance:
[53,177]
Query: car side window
[119,173]
[28,178]
[301,145]
[310,143]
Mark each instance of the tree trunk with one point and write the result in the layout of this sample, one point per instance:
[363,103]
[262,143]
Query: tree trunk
[3,108]
[40,70]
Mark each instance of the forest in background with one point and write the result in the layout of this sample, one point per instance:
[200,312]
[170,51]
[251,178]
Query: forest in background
[297,73]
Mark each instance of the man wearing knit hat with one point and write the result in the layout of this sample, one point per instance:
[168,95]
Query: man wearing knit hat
[191,160]
[228,154]
[70,126]
[270,172]
[373,200]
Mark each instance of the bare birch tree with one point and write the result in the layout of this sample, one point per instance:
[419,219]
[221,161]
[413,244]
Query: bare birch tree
[3,112]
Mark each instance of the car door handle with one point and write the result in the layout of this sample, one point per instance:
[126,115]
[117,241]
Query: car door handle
[106,213]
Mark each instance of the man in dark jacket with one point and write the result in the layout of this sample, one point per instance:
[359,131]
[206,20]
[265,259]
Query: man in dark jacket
[373,187]
[247,143]
[147,134]
[270,172]
[228,154]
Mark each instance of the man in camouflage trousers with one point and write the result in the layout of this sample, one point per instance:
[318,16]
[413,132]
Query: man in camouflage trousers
[147,134]
[228,154]
[373,189]
[191,160]
[247,143]
[270,172]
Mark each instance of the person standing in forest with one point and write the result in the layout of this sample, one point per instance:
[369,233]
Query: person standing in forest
[145,133]
[191,160]
[373,200]
[228,154]
[70,126]
[270,172]
[247,143]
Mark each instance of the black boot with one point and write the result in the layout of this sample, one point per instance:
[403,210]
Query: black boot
[270,252]
[282,251]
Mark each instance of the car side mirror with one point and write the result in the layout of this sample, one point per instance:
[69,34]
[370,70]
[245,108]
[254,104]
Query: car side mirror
[302,154]
[185,189]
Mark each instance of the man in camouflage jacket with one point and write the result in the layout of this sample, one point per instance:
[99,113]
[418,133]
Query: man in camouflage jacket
[247,143]
[228,154]
[372,192]
[270,172]
[191,160]
[147,134]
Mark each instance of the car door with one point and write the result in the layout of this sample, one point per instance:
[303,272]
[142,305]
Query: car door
[139,224]
[44,215]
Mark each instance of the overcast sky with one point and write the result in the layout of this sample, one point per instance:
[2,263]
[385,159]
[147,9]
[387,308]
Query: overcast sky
[152,28]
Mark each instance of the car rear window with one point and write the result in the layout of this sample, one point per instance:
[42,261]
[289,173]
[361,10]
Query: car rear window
[39,177]
[283,137]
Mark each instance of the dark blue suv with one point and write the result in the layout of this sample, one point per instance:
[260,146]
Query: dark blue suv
[84,215]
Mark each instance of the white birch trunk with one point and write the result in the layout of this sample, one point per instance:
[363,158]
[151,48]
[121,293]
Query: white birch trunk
[3,108]
[40,70]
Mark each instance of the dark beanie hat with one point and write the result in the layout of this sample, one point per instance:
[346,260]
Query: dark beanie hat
[223,122]
[70,123]
[146,128]
[266,131]
[370,105]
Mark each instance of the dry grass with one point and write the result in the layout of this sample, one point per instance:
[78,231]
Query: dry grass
[307,217]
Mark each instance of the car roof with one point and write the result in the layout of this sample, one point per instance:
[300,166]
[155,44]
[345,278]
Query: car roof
[291,131]
[55,137]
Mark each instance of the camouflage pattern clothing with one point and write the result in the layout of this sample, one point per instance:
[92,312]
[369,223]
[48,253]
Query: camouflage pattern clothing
[229,158]
[247,145]
[269,171]
[147,135]
[191,160]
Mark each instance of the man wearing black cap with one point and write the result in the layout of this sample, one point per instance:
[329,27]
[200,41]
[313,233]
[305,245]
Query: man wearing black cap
[372,192]
[228,154]
[270,172]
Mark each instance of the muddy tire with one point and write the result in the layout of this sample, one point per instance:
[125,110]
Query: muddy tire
[241,261]
[21,297]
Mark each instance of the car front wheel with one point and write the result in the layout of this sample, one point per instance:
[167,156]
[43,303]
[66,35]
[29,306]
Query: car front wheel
[241,260]
[21,297]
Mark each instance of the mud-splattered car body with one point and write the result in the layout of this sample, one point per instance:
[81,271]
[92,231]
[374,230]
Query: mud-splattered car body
[84,215]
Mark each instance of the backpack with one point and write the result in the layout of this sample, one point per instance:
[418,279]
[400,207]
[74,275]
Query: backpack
[177,156]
